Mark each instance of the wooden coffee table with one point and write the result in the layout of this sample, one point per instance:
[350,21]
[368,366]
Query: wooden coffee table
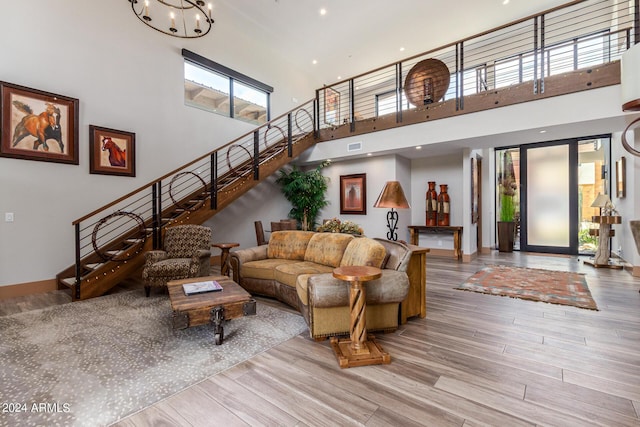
[210,307]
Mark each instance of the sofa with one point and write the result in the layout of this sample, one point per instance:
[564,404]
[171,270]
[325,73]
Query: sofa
[296,268]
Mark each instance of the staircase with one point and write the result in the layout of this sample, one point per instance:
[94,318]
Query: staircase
[110,242]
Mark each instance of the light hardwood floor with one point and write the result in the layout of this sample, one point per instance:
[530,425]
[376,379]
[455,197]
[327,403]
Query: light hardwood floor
[474,360]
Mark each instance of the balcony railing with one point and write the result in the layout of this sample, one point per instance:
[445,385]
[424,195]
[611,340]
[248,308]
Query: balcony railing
[576,36]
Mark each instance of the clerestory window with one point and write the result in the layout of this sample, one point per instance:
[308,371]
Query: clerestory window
[218,89]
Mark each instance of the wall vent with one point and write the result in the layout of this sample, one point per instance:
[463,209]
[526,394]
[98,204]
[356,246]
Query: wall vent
[354,146]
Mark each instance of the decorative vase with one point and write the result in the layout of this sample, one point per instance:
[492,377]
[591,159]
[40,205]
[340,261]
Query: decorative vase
[432,205]
[443,206]
[506,235]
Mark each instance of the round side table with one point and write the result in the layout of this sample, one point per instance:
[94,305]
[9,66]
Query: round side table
[360,349]
[224,256]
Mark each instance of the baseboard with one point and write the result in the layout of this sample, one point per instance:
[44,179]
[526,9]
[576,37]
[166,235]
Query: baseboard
[470,257]
[445,253]
[30,288]
[485,250]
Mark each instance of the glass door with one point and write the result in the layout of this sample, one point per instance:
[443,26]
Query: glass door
[555,184]
[550,197]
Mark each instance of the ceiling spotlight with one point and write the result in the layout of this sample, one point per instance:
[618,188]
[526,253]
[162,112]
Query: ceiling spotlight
[402,49]
[505,2]
[543,131]
[314,62]
[339,77]
[323,11]
[418,147]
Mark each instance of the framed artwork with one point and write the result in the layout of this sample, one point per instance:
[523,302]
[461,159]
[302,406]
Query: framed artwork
[331,106]
[621,180]
[37,125]
[474,190]
[112,152]
[353,194]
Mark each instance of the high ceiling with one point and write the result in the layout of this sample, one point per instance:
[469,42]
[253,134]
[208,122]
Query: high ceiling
[355,36]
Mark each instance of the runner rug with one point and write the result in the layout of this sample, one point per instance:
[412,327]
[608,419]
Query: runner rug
[555,287]
[93,362]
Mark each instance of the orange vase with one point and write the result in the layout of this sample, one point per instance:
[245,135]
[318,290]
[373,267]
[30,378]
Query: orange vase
[432,205]
[443,206]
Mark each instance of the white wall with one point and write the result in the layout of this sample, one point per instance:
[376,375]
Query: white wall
[127,77]
[379,170]
[629,206]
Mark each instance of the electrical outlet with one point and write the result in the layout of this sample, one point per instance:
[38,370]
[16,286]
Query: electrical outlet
[8,217]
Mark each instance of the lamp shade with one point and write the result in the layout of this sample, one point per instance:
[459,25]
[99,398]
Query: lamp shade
[601,201]
[629,81]
[392,196]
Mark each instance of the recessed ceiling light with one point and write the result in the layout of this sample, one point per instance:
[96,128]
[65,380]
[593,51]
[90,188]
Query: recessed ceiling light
[402,49]
[505,1]
[314,62]
[369,154]
[323,11]
[339,77]
[543,131]
[418,147]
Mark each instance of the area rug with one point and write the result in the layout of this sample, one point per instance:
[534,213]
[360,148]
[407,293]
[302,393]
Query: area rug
[93,362]
[555,287]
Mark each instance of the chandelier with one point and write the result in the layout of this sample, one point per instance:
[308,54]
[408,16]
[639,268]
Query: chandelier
[179,18]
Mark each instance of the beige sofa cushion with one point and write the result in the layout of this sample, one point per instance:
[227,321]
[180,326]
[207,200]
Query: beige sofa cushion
[364,251]
[289,244]
[288,273]
[264,268]
[327,248]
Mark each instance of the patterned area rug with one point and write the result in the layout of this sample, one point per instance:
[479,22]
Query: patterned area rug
[555,287]
[94,362]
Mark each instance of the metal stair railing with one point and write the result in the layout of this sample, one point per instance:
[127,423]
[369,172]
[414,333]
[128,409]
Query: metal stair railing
[116,233]
[580,35]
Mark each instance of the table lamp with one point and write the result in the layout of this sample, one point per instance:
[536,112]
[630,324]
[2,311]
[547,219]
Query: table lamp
[392,196]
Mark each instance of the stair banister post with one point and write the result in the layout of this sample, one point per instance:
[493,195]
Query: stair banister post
[256,155]
[289,136]
[399,92]
[352,106]
[214,180]
[316,114]
[78,261]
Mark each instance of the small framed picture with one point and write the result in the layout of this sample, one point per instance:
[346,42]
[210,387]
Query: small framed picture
[37,125]
[621,179]
[112,152]
[353,194]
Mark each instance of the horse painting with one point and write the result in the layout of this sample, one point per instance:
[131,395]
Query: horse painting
[117,156]
[43,126]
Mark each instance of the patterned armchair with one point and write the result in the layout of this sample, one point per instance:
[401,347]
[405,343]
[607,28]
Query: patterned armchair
[187,253]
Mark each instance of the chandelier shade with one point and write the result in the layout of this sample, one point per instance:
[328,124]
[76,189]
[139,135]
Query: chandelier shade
[178,18]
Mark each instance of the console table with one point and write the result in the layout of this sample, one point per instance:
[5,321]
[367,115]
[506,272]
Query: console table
[415,231]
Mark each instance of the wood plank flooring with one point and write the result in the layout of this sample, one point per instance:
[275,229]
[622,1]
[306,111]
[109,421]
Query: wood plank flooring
[474,360]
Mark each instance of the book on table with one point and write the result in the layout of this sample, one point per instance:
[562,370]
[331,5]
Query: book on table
[201,287]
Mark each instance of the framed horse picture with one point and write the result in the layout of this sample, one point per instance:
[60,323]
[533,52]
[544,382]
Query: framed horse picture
[112,152]
[37,125]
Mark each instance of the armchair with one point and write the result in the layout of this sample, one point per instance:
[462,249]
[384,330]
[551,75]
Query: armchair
[186,254]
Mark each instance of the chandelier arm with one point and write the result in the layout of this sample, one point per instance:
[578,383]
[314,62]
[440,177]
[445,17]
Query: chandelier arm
[201,27]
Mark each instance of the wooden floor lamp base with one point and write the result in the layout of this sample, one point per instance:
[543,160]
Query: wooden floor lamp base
[348,359]
[610,264]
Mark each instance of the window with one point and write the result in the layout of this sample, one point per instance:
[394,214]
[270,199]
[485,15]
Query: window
[386,102]
[216,88]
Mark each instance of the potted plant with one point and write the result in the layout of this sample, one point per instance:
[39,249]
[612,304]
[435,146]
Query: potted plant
[336,225]
[306,191]
[508,206]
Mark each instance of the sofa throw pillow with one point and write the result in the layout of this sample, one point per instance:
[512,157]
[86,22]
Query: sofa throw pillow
[289,244]
[327,248]
[364,251]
